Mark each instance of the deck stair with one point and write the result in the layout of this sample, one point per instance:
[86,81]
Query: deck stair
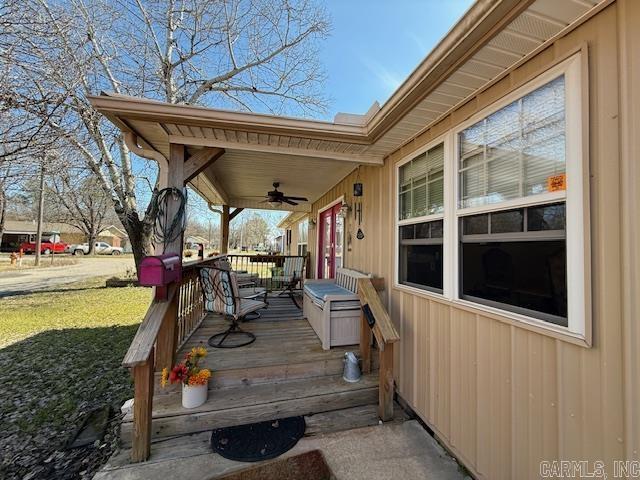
[284,373]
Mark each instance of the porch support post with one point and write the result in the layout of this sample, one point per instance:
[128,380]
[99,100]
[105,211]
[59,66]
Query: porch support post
[224,230]
[167,341]
[142,410]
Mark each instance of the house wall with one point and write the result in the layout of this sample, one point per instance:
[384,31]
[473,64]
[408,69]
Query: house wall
[503,397]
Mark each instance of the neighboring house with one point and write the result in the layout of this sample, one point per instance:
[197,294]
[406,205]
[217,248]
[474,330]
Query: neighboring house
[296,233]
[19,231]
[192,242]
[500,204]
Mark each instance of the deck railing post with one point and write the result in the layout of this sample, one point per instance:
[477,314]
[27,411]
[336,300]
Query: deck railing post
[365,344]
[167,342]
[385,384]
[142,410]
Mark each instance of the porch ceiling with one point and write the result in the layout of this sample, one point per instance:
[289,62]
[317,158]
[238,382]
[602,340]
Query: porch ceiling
[309,156]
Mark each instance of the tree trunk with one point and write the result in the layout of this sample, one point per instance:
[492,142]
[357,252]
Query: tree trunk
[92,242]
[140,234]
[3,211]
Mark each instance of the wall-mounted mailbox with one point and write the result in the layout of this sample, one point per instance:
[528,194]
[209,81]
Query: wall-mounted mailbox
[160,270]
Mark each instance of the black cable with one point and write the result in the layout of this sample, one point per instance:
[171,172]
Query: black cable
[168,230]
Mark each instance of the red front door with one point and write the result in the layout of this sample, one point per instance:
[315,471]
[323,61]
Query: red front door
[330,242]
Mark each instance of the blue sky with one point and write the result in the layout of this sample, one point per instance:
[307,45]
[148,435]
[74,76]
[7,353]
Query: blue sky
[376,44]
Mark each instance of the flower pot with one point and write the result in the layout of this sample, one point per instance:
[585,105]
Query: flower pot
[194,395]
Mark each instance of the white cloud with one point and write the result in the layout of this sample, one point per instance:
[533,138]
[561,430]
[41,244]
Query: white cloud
[388,79]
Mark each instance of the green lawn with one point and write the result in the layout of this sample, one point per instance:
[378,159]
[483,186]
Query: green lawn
[60,353]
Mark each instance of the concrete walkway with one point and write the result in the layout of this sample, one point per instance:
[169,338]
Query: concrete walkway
[19,282]
[392,451]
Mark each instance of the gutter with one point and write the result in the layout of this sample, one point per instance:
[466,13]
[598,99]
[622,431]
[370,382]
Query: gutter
[131,140]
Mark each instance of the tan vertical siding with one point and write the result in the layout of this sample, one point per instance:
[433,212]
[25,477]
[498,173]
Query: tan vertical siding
[503,397]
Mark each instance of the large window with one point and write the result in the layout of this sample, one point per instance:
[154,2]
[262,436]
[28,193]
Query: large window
[502,222]
[515,259]
[420,198]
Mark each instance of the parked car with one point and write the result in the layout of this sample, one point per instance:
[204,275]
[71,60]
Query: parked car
[101,248]
[48,244]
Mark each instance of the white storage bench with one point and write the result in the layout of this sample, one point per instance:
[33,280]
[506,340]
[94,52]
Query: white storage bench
[332,307]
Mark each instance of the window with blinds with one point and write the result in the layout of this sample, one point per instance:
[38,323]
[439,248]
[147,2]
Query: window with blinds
[421,185]
[516,151]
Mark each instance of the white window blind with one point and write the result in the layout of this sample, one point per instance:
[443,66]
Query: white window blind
[421,184]
[513,152]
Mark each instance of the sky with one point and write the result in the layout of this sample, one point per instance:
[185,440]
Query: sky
[376,44]
[373,47]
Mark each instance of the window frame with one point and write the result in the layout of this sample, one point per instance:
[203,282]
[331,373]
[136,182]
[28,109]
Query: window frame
[576,198]
[445,140]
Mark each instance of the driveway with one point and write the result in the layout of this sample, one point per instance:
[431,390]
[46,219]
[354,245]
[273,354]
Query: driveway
[48,278]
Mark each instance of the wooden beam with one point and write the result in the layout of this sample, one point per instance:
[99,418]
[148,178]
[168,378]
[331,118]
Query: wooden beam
[365,344]
[300,152]
[167,341]
[200,160]
[224,230]
[385,384]
[235,213]
[142,410]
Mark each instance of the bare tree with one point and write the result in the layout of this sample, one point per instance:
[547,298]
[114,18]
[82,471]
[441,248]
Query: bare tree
[248,54]
[80,202]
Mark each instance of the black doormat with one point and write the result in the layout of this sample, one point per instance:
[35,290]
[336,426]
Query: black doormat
[258,441]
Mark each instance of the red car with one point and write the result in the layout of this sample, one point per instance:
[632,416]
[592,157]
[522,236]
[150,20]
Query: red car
[50,243]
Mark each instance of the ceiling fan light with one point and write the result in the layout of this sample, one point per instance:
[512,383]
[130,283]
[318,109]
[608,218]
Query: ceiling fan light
[275,204]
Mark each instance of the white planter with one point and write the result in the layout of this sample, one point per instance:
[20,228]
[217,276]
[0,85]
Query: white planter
[194,395]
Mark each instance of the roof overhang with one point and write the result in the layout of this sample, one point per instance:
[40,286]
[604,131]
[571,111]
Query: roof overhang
[309,156]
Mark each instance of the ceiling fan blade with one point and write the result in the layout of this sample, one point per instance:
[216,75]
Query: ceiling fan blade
[302,199]
[287,200]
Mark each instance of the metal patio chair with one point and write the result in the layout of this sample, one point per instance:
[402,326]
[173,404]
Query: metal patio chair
[290,277]
[222,295]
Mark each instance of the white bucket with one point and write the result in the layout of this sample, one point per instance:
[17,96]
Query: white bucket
[194,395]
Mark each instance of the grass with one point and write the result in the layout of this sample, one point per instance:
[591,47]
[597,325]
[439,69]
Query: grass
[60,352]
[28,263]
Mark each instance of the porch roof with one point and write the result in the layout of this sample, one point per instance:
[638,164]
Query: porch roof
[492,38]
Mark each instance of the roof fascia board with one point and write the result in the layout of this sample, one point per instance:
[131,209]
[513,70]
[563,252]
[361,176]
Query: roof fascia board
[344,157]
[146,110]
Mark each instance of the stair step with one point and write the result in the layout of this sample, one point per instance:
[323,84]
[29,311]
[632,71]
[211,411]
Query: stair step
[267,374]
[253,403]
[170,449]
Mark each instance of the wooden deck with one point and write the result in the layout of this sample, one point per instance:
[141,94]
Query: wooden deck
[284,372]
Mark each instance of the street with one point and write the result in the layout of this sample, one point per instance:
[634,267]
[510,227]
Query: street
[38,279]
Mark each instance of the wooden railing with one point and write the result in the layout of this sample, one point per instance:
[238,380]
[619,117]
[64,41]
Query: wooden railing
[261,266]
[190,304]
[169,322]
[374,318]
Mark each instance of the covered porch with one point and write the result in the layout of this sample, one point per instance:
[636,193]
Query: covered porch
[232,160]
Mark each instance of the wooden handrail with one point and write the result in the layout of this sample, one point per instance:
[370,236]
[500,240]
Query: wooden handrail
[384,330]
[385,334]
[145,338]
